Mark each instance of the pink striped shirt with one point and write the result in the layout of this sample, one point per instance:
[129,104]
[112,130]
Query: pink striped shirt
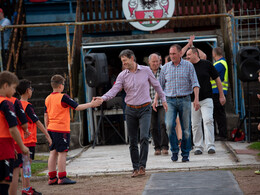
[136,85]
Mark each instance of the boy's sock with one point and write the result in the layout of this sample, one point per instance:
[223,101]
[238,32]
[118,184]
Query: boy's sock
[62,174]
[4,189]
[52,174]
[27,189]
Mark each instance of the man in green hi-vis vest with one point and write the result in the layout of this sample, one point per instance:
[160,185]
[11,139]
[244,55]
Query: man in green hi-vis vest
[219,113]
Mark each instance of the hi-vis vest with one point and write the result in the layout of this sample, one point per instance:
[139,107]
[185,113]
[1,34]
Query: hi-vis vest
[32,128]
[59,117]
[225,82]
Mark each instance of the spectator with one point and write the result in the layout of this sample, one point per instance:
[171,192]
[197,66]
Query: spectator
[219,113]
[136,80]
[205,71]
[178,80]
[5,22]
[158,117]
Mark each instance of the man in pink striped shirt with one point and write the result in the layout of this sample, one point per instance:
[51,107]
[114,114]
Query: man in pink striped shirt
[136,80]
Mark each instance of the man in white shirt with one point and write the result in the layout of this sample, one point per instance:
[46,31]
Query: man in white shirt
[4,22]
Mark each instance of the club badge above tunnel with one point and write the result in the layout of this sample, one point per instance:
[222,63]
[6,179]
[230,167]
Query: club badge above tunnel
[142,9]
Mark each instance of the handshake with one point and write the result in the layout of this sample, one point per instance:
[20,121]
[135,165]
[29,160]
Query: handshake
[96,101]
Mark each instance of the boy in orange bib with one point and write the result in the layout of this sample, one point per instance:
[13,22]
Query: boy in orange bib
[8,130]
[57,121]
[25,90]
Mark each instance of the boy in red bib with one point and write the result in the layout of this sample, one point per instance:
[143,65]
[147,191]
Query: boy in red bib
[8,130]
[57,121]
[25,90]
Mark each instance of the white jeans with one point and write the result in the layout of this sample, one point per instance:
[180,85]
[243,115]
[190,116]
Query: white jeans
[206,113]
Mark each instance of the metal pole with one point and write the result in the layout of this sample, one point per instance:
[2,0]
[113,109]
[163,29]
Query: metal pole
[234,63]
[69,66]
[122,21]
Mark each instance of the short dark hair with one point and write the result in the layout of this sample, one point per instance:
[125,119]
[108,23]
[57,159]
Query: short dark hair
[178,47]
[9,78]
[195,50]
[127,53]
[23,86]
[57,80]
[218,51]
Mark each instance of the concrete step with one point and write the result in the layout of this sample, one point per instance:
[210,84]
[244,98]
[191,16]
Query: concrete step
[42,64]
[39,78]
[40,94]
[42,86]
[44,71]
[37,102]
[44,50]
[45,57]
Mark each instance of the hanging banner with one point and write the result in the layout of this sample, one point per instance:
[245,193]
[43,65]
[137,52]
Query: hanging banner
[140,9]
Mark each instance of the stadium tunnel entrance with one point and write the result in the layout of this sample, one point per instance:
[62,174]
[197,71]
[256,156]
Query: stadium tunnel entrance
[142,49]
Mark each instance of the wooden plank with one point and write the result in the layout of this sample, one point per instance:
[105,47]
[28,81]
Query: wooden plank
[196,12]
[201,8]
[188,5]
[207,6]
[172,24]
[119,8]
[212,11]
[188,8]
[108,5]
[102,10]
[114,15]
[84,10]
[97,15]
[90,5]
[177,8]
[207,11]
[182,4]
[212,6]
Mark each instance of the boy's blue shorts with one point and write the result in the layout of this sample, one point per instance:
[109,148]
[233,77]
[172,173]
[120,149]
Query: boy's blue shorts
[60,141]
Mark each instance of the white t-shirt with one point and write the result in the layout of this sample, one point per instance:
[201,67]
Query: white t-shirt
[7,32]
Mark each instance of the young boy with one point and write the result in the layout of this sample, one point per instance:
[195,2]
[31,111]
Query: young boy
[25,90]
[8,130]
[57,121]
[23,130]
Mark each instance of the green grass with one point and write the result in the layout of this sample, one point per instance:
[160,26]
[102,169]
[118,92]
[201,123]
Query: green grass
[41,174]
[255,146]
[37,167]
[41,157]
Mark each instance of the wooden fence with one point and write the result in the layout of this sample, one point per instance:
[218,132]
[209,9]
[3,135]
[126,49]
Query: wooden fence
[99,10]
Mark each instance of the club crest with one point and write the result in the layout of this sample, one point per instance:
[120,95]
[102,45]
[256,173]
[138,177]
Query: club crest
[140,9]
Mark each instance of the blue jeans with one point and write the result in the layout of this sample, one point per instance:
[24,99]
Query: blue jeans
[181,106]
[135,119]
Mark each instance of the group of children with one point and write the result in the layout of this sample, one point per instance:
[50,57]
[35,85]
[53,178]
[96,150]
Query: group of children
[18,131]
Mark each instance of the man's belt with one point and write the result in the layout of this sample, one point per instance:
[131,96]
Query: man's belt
[138,106]
[179,96]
